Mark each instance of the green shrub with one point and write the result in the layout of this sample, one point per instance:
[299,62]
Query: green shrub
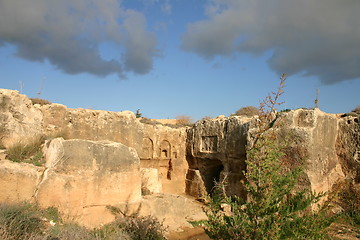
[273,207]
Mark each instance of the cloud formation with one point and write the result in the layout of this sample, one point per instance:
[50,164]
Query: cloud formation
[316,38]
[69,33]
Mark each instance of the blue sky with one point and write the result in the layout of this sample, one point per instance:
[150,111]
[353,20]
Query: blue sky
[182,57]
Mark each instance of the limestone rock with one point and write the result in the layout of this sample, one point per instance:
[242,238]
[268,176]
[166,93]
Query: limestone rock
[163,148]
[18,181]
[348,149]
[19,118]
[83,177]
[317,132]
[95,125]
[150,181]
[216,147]
[195,185]
[176,211]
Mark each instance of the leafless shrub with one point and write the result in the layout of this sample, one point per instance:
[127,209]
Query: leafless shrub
[183,120]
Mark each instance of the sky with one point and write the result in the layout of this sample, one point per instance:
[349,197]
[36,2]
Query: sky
[182,57]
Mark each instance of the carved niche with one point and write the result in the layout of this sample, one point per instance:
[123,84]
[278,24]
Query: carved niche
[165,150]
[209,144]
[147,149]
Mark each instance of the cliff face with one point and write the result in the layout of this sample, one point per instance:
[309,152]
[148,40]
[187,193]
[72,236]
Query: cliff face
[90,173]
[216,148]
[158,146]
[328,144]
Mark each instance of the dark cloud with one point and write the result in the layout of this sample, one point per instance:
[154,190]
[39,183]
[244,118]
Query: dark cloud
[315,38]
[69,33]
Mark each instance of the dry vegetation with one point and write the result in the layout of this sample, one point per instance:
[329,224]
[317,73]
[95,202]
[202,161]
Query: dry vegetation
[248,111]
[39,101]
[28,222]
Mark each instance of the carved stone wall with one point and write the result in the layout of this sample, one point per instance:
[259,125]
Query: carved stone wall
[168,155]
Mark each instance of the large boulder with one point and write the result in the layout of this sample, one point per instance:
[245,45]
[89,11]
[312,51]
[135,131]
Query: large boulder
[83,177]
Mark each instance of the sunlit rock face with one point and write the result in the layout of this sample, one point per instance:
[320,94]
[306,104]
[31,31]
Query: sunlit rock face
[82,177]
[217,149]
[20,120]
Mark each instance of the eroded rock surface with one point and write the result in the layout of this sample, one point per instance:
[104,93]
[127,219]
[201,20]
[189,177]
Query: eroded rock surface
[83,177]
[20,120]
[217,148]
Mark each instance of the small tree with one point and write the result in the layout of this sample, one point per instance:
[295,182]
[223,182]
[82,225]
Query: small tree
[273,208]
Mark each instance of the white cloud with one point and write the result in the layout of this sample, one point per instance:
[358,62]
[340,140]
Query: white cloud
[317,38]
[68,34]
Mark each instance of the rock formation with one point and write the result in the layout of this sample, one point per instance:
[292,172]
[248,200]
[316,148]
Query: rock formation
[113,158]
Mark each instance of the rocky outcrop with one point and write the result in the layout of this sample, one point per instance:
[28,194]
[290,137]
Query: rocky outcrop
[95,125]
[101,164]
[316,133]
[158,146]
[217,148]
[348,149]
[19,118]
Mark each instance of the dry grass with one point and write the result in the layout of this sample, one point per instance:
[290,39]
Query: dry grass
[29,151]
[27,221]
[39,101]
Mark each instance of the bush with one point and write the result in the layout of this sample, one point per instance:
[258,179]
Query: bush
[29,222]
[29,151]
[273,207]
[183,120]
[39,101]
[248,111]
[141,228]
[22,221]
[349,201]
